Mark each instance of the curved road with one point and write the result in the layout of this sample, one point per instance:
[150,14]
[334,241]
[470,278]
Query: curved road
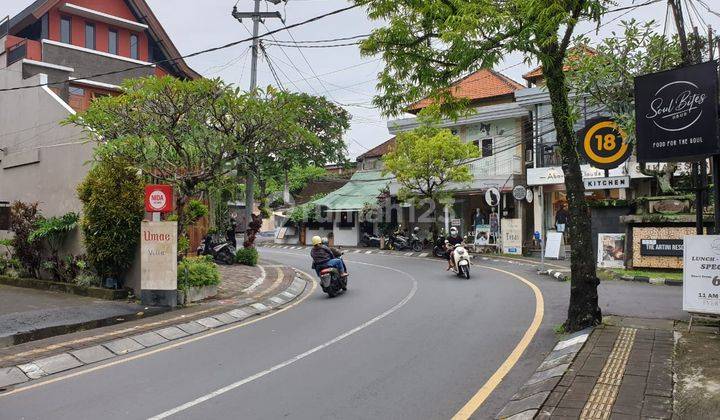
[408,340]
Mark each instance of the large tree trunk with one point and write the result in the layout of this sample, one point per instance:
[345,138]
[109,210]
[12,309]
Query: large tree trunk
[583,310]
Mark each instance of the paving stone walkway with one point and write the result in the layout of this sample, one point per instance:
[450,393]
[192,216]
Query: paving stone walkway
[624,371]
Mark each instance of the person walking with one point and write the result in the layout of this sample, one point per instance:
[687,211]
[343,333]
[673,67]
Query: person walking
[562,217]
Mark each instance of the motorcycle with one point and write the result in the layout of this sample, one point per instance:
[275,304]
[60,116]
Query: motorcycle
[398,241]
[439,248]
[415,243]
[218,248]
[331,281]
[461,260]
[370,241]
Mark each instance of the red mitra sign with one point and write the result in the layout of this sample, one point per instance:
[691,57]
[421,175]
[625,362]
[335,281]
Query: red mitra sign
[158,198]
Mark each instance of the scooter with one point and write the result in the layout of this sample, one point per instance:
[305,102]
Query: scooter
[461,260]
[221,250]
[415,243]
[439,248]
[370,241]
[331,281]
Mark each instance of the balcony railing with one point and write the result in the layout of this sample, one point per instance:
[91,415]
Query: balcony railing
[495,165]
[19,48]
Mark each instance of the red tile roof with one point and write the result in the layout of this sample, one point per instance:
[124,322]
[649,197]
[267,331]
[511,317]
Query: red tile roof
[482,84]
[537,72]
[379,150]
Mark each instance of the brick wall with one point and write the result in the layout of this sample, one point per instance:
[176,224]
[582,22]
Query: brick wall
[640,233]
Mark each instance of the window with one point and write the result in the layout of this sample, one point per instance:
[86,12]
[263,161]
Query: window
[90,36]
[77,91]
[65,29]
[113,41]
[134,46]
[487,147]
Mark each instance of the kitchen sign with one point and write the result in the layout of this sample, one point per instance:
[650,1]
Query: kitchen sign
[158,198]
[607,183]
[604,143]
[661,247]
[676,113]
[701,274]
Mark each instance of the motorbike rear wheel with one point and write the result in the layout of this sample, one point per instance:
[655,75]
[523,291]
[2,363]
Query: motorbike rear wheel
[417,246]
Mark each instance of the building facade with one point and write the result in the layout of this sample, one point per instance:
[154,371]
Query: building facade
[55,58]
[501,130]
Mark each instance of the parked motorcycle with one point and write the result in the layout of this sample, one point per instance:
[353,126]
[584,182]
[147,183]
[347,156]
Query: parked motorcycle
[415,242]
[439,247]
[331,281]
[461,260]
[218,248]
[370,241]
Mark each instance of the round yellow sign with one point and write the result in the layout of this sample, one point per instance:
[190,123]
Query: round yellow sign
[604,144]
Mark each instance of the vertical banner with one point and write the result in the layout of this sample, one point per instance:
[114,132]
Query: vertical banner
[512,236]
[158,263]
[701,274]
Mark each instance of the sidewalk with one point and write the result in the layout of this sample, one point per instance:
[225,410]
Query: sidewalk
[29,317]
[624,371]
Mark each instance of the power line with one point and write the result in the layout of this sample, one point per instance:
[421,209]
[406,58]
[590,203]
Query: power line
[347,44]
[197,53]
[320,41]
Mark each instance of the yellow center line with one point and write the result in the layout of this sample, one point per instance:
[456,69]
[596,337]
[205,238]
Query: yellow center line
[477,400]
[178,343]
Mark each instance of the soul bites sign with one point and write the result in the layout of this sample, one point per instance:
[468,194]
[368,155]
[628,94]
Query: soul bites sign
[158,263]
[676,114]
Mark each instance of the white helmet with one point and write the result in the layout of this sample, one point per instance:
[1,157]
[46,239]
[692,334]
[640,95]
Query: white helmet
[453,231]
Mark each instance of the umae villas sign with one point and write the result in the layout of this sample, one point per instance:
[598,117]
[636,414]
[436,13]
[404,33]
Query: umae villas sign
[676,114]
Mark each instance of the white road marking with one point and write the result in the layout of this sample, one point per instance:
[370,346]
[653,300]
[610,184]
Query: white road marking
[257,281]
[300,356]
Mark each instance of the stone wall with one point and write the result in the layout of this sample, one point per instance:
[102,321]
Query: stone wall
[640,233]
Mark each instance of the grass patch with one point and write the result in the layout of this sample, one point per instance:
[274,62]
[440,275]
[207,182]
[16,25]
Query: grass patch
[672,275]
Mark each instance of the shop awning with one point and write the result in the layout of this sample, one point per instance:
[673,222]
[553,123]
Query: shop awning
[363,188]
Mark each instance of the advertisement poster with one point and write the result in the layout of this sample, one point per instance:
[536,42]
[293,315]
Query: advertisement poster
[512,236]
[676,114]
[554,246]
[611,250]
[482,234]
[701,274]
[158,255]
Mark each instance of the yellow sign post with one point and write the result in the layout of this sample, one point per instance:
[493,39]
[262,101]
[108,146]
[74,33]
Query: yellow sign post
[604,143]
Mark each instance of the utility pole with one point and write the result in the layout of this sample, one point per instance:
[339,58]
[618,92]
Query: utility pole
[689,58]
[257,16]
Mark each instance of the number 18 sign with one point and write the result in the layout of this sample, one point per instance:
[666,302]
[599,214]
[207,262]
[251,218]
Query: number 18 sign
[604,143]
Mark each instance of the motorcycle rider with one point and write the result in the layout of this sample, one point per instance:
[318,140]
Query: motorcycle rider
[450,242]
[323,257]
[336,252]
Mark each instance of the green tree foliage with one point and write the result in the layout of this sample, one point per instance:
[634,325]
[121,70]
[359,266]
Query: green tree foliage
[113,207]
[607,77]
[168,129]
[427,45]
[24,219]
[426,160]
[53,231]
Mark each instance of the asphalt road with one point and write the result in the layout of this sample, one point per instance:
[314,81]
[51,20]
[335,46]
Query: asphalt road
[407,340]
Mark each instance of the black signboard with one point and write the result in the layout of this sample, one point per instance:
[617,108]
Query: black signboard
[661,247]
[676,114]
[604,144]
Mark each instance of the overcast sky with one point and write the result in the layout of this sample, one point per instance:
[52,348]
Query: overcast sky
[195,25]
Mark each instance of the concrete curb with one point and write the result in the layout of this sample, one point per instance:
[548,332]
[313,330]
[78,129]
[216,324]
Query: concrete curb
[651,280]
[556,274]
[526,403]
[14,375]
